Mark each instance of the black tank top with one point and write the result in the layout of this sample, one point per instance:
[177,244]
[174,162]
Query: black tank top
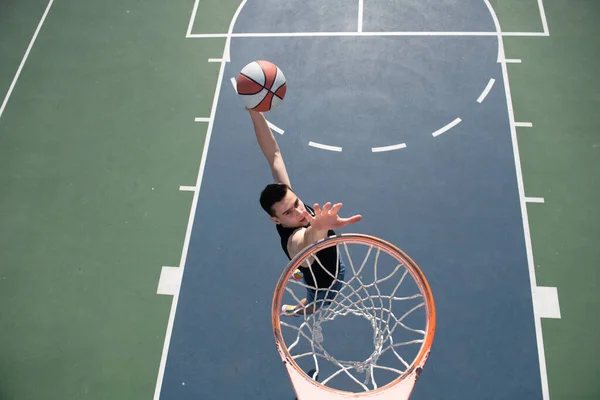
[328,258]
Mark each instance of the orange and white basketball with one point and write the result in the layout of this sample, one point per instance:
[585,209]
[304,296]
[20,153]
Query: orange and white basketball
[262,85]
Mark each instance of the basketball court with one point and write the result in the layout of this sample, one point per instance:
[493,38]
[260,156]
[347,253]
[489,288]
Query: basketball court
[411,128]
[404,111]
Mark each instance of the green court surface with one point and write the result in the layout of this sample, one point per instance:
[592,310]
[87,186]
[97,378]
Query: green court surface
[97,134]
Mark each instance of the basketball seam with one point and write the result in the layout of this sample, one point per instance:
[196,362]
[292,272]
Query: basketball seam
[278,89]
[277,72]
[274,80]
[261,86]
[264,75]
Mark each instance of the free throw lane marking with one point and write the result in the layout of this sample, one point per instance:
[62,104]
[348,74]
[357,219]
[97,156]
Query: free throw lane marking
[534,199]
[170,281]
[523,124]
[546,302]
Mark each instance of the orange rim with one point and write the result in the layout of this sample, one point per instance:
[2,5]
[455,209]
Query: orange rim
[393,251]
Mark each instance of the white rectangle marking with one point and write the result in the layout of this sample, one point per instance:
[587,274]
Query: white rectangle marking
[388,148]
[513,60]
[534,199]
[486,90]
[275,128]
[546,302]
[324,146]
[447,127]
[523,124]
[170,281]
[215,60]
[201,119]
[187,188]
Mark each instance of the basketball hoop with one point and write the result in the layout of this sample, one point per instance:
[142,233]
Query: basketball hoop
[389,291]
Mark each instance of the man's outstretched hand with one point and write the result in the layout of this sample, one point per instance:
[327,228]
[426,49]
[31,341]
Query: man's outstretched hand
[328,218]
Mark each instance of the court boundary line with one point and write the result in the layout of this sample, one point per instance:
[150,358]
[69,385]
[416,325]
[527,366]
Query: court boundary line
[353,34]
[537,321]
[543,17]
[31,42]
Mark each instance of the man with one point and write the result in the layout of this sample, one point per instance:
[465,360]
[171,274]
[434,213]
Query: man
[299,226]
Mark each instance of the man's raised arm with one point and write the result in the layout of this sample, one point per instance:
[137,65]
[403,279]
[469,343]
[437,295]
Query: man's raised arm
[270,148]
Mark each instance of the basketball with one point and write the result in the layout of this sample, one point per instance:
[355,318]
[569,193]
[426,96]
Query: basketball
[262,85]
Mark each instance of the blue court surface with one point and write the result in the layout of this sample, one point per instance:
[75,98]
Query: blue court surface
[446,192]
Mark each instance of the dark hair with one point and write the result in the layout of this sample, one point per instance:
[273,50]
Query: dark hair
[271,194]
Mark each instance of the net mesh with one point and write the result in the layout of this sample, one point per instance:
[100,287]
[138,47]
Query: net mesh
[370,284]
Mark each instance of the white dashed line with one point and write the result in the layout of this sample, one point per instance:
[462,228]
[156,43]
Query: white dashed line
[447,127]
[486,90]
[275,128]
[388,148]
[324,146]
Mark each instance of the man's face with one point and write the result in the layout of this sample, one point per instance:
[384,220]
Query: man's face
[289,211]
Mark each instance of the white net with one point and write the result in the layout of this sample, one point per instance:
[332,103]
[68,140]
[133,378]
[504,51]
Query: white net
[370,324]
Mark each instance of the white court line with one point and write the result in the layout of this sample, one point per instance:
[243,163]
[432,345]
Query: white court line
[227,51]
[275,128]
[215,60]
[201,119]
[31,42]
[187,188]
[486,90]
[360,15]
[543,16]
[352,34]
[388,148]
[546,302]
[188,232]
[513,60]
[447,127]
[169,282]
[324,146]
[234,83]
[524,124]
[524,217]
[534,200]
[192,19]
